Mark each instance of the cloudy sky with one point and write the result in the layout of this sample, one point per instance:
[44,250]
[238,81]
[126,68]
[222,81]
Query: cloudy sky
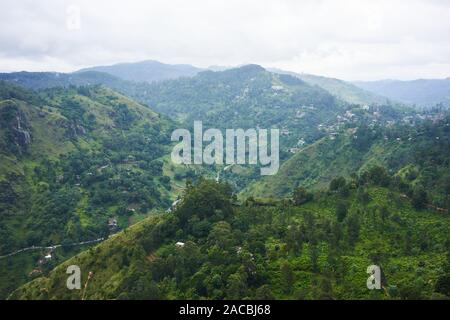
[348,39]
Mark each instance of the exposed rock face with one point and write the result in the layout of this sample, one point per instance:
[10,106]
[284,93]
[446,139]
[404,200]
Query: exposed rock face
[18,129]
[22,135]
[73,130]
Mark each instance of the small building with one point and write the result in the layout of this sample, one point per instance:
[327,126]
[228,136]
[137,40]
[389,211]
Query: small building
[277,88]
[179,244]
[300,114]
[174,206]
[112,223]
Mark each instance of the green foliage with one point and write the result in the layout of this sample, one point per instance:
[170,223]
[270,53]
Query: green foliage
[301,196]
[418,159]
[91,155]
[287,277]
[249,253]
[341,211]
[419,198]
[73,157]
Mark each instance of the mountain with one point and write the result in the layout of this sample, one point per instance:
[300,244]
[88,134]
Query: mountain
[246,97]
[70,159]
[423,93]
[212,248]
[339,88]
[242,97]
[86,155]
[147,71]
[43,80]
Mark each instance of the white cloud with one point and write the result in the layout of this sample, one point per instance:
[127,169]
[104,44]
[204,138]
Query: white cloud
[350,39]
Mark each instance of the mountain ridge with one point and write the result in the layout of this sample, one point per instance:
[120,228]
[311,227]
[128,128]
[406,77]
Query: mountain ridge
[146,71]
[425,93]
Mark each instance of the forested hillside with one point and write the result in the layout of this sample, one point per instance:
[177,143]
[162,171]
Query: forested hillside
[359,184]
[44,80]
[418,153]
[314,246]
[343,90]
[70,160]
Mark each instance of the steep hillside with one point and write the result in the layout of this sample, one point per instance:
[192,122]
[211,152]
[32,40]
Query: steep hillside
[211,248]
[421,152]
[70,159]
[425,93]
[147,71]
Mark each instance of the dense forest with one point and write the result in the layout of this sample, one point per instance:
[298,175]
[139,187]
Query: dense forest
[71,160]
[308,246]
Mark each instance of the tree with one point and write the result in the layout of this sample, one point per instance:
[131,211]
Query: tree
[353,227]
[362,196]
[378,176]
[208,200]
[325,289]
[301,196]
[293,239]
[419,198]
[287,277]
[341,211]
[237,286]
[264,293]
[443,282]
[314,255]
[337,184]
[221,235]
[384,213]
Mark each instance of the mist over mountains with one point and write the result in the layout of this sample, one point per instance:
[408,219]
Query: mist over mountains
[147,71]
[422,92]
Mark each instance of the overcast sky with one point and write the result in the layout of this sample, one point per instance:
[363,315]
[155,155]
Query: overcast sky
[348,39]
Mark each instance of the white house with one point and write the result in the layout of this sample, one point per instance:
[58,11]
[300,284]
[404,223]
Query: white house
[179,244]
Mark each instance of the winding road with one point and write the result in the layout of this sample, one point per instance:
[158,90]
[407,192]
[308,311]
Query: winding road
[50,247]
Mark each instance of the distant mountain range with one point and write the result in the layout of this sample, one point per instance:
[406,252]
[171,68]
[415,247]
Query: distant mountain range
[422,92]
[147,71]
[124,76]
[43,80]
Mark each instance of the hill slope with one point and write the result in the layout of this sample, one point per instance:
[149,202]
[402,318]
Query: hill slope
[279,251]
[422,151]
[70,159]
[339,88]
